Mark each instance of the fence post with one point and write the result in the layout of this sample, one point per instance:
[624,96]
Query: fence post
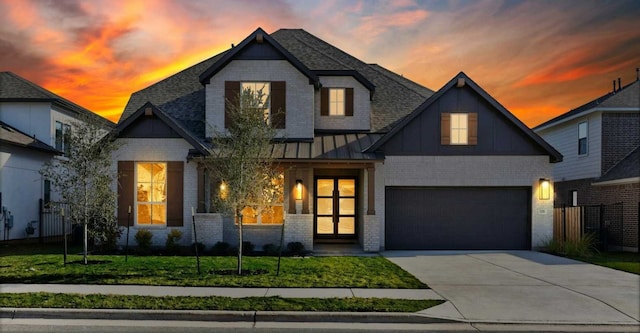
[40,223]
[564,223]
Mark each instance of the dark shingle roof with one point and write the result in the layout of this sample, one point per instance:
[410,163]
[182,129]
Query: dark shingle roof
[182,95]
[14,88]
[628,167]
[627,97]
[12,136]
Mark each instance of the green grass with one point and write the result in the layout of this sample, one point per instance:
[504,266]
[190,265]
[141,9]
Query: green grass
[624,261]
[76,301]
[318,272]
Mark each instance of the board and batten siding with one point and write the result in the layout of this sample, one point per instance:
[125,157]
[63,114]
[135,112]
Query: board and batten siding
[299,93]
[564,138]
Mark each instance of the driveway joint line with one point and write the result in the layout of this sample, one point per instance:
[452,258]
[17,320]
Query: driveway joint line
[554,284]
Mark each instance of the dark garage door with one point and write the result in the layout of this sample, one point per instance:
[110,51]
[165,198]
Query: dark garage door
[454,218]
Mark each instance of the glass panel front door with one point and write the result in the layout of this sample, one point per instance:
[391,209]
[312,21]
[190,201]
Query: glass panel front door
[335,208]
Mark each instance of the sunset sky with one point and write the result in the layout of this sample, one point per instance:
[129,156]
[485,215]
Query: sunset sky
[537,58]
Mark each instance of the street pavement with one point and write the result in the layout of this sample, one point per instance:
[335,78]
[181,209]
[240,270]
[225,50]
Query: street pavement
[523,287]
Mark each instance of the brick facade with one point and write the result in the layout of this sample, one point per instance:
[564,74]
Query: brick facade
[620,136]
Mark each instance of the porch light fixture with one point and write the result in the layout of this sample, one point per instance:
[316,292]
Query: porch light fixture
[223,191]
[544,189]
[298,189]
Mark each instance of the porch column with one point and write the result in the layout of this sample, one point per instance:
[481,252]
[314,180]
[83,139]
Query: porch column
[292,188]
[307,182]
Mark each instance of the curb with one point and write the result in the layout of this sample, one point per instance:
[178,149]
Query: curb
[221,316]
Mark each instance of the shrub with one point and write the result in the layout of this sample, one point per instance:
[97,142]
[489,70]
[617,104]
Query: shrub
[584,247]
[247,248]
[295,248]
[143,239]
[271,249]
[173,237]
[201,248]
[221,249]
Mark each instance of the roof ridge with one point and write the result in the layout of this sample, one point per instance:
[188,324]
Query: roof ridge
[322,52]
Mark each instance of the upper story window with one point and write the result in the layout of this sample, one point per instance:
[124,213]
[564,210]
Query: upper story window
[261,90]
[273,102]
[459,129]
[63,138]
[151,195]
[583,148]
[336,102]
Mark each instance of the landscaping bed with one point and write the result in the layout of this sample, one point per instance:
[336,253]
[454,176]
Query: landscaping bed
[623,261]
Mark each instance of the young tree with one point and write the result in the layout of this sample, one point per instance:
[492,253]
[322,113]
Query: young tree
[83,177]
[240,160]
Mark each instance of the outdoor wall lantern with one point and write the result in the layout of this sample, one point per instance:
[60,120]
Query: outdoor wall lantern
[298,189]
[223,191]
[544,189]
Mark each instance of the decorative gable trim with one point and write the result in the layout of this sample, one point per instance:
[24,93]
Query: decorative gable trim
[261,37]
[554,155]
[148,109]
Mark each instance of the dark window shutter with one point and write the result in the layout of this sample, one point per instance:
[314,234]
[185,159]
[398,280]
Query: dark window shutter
[324,101]
[175,194]
[231,97]
[278,104]
[348,102]
[125,191]
[445,128]
[473,129]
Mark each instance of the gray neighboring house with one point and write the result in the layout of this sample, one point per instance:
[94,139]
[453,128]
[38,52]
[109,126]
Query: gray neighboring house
[368,156]
[600,142]
[34,124]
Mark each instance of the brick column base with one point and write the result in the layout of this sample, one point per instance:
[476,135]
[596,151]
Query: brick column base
[371,234]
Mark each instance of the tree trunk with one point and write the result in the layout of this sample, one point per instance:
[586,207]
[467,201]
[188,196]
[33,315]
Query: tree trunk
[239,215]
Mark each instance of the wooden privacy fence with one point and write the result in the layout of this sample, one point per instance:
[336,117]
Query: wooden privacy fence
[604,221]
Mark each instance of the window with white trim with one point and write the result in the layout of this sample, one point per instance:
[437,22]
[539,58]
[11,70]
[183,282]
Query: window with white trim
[583,132]
[336,101]
[151,193]
[63,138]
[459,128]
[262,90]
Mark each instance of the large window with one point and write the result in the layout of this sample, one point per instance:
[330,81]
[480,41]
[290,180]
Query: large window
[63,138]
[272,212]
[459,128]
[336,101]
[582,138]
[151,193]
[262,89]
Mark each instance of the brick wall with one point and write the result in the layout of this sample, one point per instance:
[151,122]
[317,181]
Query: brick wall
[620,135]
[628,194]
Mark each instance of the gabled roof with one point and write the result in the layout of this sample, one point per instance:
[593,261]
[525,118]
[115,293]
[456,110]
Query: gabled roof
[349,72]
[14,88]
[258,36]
[169,121]
[13,136]
[182,95]
[627,168]
[625,99]
[554,155]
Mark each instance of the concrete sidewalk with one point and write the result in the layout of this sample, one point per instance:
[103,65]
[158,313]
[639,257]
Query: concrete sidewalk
[158,291]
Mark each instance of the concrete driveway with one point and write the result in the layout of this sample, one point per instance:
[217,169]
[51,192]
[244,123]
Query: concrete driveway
[523,287]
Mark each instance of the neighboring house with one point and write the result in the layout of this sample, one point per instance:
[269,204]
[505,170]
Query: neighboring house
[35,126]
[600,143]
[368,156]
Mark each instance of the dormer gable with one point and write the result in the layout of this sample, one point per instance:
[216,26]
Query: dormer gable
[258,46]
[486,127]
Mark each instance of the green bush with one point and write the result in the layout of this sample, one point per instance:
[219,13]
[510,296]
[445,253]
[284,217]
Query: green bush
[271,249]
[247,248]
[221,249]
[295,248]
[143,239]
[173,237]
[584,247]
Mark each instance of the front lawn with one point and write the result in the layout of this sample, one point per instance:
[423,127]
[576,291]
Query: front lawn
[624,261]
[76,301]
[317,272]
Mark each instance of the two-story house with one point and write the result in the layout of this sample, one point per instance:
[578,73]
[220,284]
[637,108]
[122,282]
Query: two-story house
[35,124]
[368,156]
[600,143]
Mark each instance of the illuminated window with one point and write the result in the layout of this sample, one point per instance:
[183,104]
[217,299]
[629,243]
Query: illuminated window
[582,138]
[336,101]
[63,138]
[459,128]
[263,90]
[151,193]
[273,211]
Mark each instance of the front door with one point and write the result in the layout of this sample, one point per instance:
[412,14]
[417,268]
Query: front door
[335,203]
